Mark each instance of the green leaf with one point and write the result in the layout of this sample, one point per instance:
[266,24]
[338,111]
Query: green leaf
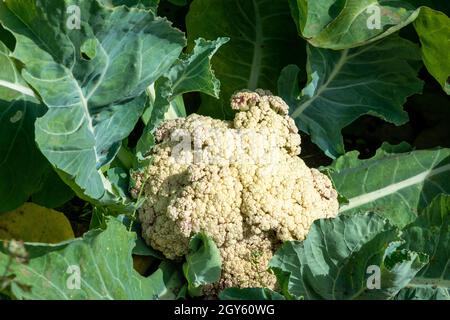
[344,85]
[191,73]
[335,24]
[24,171]
[430,234]
[39,249]
[336,260]
[167,281]
[433,28]
[343,24]
[203,264]
[250,294]
[395,185]
[263,41]
[119,180]
[19,177]
[105,267]
[12,85]
[423,293]
[141,248]
[147,4]
[94,103]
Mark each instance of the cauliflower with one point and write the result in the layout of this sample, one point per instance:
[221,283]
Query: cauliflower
[241,182]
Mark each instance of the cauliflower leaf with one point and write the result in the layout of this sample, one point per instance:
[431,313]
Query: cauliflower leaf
[203,264]
[338,257]
[430,234]
[98,266]
[386,73]
[397,183]
[89,71]
[21,178]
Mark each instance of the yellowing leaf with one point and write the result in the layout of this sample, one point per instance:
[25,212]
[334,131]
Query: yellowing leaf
[33,223]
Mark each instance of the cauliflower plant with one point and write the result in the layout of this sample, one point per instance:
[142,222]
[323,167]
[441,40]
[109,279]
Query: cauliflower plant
[241,182]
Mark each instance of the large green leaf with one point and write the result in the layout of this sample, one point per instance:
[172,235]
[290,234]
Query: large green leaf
[105,267]
[338,256]
[263,41]
[344,85]
[433,28]
[341,24]
[92,79]
[203,264]
[430,234]
[24,171]
[337,24]
[394,183]
[193,72]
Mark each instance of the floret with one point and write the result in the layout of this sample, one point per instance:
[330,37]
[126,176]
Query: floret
[241,182]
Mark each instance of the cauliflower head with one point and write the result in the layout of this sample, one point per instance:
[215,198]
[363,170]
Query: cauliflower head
[241,182]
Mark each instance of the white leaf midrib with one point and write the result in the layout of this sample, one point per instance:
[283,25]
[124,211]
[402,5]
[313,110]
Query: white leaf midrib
[392,188]
[257,51]
[83,100]
[15,86]
[18,88]
[419,282]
